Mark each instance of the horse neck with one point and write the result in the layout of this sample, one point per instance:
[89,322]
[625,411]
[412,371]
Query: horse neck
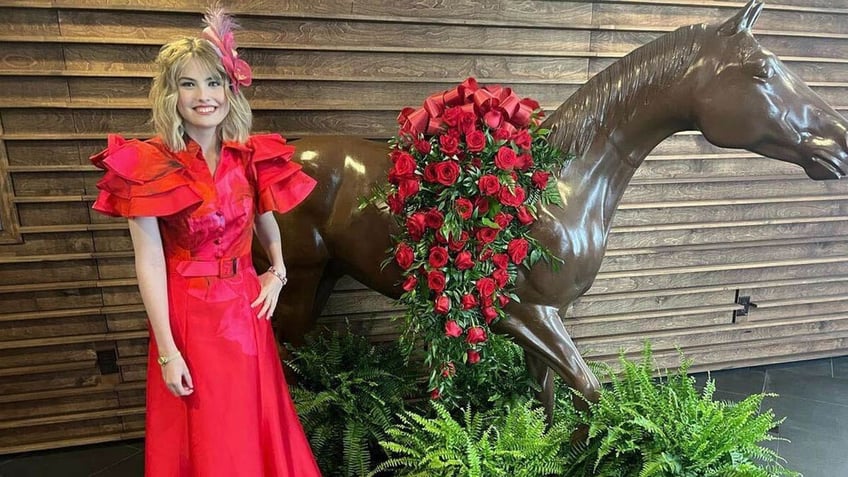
[618,117]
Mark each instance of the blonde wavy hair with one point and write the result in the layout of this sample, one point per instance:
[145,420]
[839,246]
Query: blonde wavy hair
[164,94]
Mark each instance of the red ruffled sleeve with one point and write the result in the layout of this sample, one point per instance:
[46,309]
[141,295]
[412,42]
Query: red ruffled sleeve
[141,181]
[280,183]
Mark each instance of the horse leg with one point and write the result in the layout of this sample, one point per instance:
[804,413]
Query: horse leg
[301,301]
[539,330]
[543,376]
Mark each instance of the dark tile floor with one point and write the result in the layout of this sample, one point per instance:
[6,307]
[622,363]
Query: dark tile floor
[813,398]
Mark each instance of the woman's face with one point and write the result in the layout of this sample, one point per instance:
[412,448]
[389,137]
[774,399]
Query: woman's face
[202,100]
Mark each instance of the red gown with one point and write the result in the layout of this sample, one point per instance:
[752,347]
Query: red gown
[240,420]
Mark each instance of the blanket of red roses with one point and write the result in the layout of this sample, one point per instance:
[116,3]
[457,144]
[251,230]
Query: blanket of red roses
[469,168]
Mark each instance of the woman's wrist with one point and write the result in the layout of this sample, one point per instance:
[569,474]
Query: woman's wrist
[277,273]
[167,358]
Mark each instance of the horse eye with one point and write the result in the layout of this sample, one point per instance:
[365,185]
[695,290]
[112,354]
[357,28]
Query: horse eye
[762,69]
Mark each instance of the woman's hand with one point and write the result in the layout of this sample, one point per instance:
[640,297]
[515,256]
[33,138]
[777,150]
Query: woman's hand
[269,294]
[177,378]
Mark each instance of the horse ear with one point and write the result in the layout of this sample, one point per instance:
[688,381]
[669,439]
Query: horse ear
[743,20]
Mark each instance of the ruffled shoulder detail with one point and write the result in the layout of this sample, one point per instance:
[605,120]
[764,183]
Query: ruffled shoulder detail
[141,180]
[280,183]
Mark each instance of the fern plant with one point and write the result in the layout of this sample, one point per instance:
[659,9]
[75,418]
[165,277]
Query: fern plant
[646,427]
[348,395]
[509,441]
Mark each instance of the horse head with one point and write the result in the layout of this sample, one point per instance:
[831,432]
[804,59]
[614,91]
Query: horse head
[745,97]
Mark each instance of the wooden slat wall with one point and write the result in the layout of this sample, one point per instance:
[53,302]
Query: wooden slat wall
[699,225]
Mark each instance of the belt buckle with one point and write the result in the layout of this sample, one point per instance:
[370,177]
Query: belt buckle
[227,268]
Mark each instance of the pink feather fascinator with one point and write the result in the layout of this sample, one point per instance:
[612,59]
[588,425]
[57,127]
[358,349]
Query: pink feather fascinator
[219,32]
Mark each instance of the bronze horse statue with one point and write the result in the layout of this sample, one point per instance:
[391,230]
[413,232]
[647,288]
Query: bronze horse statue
[716,79]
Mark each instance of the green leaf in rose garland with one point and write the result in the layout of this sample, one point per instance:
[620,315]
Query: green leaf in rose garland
[489,223]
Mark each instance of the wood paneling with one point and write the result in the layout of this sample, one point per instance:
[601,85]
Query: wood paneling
[698,226]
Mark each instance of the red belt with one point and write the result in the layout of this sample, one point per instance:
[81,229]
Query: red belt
[223,268]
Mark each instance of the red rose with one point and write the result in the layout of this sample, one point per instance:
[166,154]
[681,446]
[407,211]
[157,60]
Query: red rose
[522,139]
[438,257]
[501,134]
[415,225]
[486,255]
[435,394]
[430,172]
[410,283]
[493,119]
[512,197]
[467,121]
[458,244]
[517,250]
[404,255]
[477,162]
[404,164]
[487,234]
[473,357]
[488,184]
[475,335]
[475,140]
[447,172]
[463,261]
[540,179]
[449,144]
[505,158]
[503,300]
[524,216]
[482,204]
[393,177]
[501,277]
[408,188]
[394,153]
[501,260]
[434,219]
[395,203]
[436,281]
[422,146]
[451,116]
[503,219]
[464,208]
[442,305]
[452,329]
[489,314]
[485,286]
[524,162]
[468,302]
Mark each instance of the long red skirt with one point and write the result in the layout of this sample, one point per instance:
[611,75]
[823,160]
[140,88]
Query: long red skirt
[240,420]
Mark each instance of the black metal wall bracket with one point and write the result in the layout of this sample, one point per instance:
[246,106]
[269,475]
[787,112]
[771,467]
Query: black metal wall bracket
[746,303]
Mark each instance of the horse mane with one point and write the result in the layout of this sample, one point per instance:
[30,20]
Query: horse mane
[611,96]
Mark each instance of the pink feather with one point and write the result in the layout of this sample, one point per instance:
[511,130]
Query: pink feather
[219,21]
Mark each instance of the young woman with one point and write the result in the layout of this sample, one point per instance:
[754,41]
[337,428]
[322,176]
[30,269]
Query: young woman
[217,402]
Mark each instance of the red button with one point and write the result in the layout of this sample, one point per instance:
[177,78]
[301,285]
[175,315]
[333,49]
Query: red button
[217,241]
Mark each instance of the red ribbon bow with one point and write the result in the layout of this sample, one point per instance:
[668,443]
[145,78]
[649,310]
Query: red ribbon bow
[499,107]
